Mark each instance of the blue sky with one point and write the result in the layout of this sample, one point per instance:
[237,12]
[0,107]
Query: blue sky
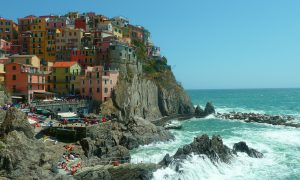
[209,43]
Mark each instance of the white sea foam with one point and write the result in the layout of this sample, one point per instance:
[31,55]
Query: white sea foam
[238,109]
[200,167]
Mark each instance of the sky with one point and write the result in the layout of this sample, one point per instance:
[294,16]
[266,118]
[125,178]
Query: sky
[210,44]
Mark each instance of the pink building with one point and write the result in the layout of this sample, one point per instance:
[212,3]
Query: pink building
[5,45]
[97,83]
[55,22]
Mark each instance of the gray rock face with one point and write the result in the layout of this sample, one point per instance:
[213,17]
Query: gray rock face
[124,172]
[103,143]
[21,156]
[4,97]
[137,98]
[140,97]
[16,120]
[242,147]
[102,174]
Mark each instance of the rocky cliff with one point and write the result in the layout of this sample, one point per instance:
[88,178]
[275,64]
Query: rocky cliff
[149,96]
[4,96]
[141,97]
[21,155]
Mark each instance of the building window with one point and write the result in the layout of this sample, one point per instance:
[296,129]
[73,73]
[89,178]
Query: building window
[110,81]
[12,60]
[98,90]
[67,78]
[66,70]
[105,90]
[82,90]
[14,77]
[67,86]
[14,67]
[14,88]
[82,81]
[105,81]
[91,90]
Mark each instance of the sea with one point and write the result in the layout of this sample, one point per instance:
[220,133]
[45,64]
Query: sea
[279,144]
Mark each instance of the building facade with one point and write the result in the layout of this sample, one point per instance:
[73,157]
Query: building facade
[24,77]
[8,29]
[68,39]
[97,83]
[65,77]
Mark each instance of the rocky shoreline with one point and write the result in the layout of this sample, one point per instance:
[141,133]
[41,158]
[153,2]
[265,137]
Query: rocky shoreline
[259,118]
[212,148]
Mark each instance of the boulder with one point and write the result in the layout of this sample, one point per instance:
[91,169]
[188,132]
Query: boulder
[166,160]
[123,171]
[243,147]
[212,148]
[16,120]
[199,112]
[21,156]
[209,109]
[88,146]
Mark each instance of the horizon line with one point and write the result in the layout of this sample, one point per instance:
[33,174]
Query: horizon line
[191,89]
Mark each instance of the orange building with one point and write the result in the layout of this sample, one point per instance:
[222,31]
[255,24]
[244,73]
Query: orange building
[8,29]
[25,77]
[37,41]
[97,83]
[24,80]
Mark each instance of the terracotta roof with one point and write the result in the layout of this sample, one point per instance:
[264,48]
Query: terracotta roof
[63,64]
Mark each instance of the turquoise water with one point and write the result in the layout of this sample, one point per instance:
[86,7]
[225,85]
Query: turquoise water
[280,145]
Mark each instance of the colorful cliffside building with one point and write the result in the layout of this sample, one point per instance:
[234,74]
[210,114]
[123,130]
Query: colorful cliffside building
[37,40]
[65,77]
[24,77]
[67,46]
[67,38]
[8,29]
[3,61]
[97,83]
[5,46]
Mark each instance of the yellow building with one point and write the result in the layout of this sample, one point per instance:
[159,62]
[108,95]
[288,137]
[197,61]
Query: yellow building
[37,41]
[3,60]
[117,31]
[67,38]
[32,60]
[65,77]
[8,29]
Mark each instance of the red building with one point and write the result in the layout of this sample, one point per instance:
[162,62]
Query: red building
[80,23]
